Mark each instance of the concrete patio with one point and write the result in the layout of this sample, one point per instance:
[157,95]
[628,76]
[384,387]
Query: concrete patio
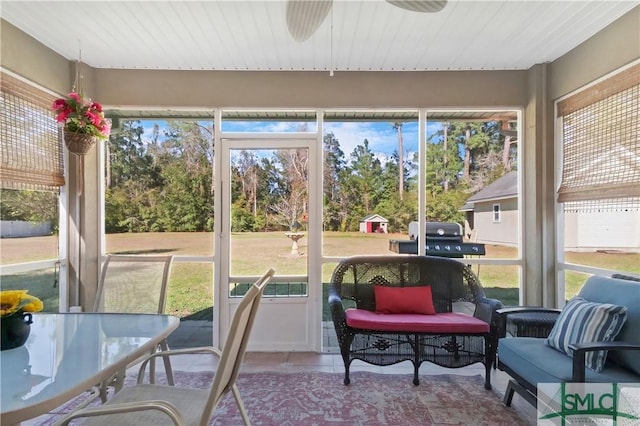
[192,333]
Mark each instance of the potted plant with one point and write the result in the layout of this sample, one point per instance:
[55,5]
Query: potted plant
[84,122]
[16,307]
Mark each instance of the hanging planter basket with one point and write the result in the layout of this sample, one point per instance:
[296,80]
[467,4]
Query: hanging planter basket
[79,143]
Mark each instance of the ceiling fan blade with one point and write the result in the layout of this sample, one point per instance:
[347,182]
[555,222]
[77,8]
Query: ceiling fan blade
[429,6]
[304,17]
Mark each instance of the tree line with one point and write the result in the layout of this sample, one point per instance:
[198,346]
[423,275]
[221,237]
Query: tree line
[163,182]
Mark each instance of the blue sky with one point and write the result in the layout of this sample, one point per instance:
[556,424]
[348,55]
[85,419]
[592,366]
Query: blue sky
[382,137]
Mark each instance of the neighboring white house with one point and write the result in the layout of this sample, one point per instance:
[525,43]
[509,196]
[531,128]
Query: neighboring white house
[374,223]
[586,231]
[492,218]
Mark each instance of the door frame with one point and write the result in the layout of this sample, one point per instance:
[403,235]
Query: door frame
[224,142]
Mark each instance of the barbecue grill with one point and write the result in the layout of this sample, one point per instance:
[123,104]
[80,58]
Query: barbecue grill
[443,239]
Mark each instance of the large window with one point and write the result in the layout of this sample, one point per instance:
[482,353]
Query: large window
[600,188]
[370,180]
[32,174]
[159,188]
[159,200]
[372,166]
[472,161]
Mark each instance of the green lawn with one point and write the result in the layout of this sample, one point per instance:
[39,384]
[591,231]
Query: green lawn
[191,289]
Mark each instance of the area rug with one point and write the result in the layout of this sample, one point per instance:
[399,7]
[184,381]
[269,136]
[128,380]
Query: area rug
[293,399]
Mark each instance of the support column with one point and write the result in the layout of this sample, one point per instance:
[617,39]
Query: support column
[84,228]
[538,285]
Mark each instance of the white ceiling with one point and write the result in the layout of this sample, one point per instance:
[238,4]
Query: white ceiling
[370,35]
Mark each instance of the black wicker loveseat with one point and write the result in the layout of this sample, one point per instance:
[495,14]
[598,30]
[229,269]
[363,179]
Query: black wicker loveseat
[462,331]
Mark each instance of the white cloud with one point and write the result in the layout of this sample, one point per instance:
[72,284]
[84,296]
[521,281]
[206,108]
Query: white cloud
[382,137]
[264,126]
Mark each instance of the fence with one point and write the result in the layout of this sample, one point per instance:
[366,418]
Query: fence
[20,228]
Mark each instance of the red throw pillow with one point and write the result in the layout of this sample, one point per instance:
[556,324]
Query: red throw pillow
[404,300]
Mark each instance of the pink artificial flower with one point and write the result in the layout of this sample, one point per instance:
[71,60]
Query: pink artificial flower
[94,118]
[58,104]
[62,116]
[80,115]
[105,129]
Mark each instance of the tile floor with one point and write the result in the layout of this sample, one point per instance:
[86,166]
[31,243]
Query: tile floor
[190,334]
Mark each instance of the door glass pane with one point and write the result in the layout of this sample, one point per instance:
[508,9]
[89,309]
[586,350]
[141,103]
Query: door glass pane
[269,202]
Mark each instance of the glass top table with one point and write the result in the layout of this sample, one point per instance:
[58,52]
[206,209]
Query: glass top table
[67,354]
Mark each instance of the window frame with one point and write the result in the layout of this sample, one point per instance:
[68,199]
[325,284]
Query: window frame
[562,266]
[497,213]
[57,181]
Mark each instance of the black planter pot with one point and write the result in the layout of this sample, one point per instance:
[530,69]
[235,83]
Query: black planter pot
[15,330]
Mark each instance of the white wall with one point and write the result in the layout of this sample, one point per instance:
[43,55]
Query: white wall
[602,231]
[504,232]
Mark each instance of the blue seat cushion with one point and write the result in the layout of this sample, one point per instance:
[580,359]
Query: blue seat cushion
[619,292]
[536,362]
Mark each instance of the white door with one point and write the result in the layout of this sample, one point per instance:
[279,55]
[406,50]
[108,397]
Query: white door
[267,187]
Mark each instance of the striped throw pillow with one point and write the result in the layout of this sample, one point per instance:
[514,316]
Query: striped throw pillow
[582,321]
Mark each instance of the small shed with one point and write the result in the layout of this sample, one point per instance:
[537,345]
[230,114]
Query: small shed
[374,223]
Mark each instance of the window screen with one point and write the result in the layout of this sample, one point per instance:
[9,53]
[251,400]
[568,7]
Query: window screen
[601,142]
[30,144]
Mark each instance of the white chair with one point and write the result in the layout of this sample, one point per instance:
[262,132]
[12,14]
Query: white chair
[153,404]
[134,284]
